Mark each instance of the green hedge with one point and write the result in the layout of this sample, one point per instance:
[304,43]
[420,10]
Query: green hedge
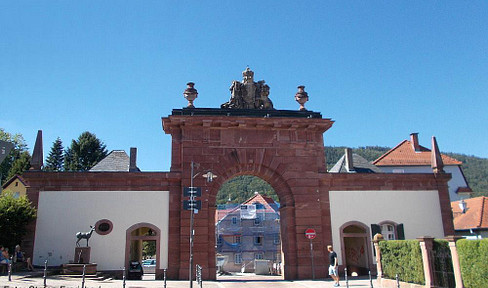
[473,258]
[402,257]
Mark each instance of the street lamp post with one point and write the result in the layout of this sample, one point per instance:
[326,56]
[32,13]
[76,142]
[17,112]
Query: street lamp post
[192,215]
[209,176]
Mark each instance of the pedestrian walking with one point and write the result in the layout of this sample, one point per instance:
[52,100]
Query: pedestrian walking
[333,266]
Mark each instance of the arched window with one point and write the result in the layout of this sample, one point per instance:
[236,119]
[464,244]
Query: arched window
[388,231]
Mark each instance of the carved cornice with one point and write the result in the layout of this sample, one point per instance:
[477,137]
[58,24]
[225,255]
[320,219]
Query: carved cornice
[313,123]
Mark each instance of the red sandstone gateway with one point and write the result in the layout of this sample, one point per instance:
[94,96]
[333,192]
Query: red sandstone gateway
[283,147]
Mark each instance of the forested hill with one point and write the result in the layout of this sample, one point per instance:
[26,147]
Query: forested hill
[475,168]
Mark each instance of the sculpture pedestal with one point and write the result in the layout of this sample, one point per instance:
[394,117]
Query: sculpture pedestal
[82,258]
[82,255]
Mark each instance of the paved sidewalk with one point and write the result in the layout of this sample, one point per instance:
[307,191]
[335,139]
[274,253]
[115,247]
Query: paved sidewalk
[223,282]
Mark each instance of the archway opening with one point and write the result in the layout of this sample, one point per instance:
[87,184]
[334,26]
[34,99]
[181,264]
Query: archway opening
[247,230]
[355,243]
[143,247]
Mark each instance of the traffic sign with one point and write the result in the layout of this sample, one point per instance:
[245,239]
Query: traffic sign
[192,191]
[192,204]
[310,233]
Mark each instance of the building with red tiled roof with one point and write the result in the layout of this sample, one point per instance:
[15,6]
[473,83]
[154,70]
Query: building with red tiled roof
[410,157]
[248,233]
[471,217]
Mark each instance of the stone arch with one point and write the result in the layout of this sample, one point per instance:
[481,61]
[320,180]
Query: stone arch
[269,175]
[156,237]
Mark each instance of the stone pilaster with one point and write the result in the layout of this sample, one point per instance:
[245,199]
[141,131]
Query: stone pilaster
[426,246]
[455,260]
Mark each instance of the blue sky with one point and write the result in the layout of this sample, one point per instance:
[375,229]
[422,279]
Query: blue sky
[380,69]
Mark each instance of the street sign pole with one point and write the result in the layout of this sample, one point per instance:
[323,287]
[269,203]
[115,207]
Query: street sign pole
[311,255]
[311,234]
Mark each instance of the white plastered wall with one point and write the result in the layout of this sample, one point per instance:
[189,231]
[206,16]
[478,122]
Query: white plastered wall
[456,181]
[61,214]
[419,211]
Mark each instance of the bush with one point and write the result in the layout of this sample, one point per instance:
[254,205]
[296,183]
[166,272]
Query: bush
[15,214]
[402,257]
[473,258]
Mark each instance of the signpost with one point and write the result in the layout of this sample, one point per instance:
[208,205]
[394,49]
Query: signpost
[311,234]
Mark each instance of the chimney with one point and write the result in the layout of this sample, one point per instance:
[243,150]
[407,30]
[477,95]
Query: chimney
[37,155]
[133,160]
[349,162]
[435,158]
[414,138]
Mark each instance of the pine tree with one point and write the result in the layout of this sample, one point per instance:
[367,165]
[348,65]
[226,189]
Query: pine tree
[55,160]
[84,153]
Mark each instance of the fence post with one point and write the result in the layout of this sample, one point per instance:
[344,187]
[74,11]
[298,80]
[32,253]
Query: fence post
[379,268]
[45,273]
[370,280]
[83,276]
[123,278]
[426,246]
[345,277]
[164,276]
[455,260]
[9,268]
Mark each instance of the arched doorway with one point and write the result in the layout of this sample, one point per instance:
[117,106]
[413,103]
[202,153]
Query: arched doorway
[247,229]
[356,254]
[136,236]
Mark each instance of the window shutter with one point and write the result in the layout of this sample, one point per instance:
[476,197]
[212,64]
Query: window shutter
[400,232]
[375,229]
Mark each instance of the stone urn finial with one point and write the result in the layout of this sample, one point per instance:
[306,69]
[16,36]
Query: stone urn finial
[301,97]
[190,94]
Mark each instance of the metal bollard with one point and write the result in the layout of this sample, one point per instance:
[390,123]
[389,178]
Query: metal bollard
[397,280]
[123,278]
[164,277]
[83,277]
[345,277]
[199,275]
[370,280]
[45,273]
[9,270]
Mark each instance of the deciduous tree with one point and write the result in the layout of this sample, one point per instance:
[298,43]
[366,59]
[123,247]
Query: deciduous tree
[15,214]
[15,154]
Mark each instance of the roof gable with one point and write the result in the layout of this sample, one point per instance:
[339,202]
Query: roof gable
[404,155]
[11,180]
[475,216]
[115,161]
[360,165]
